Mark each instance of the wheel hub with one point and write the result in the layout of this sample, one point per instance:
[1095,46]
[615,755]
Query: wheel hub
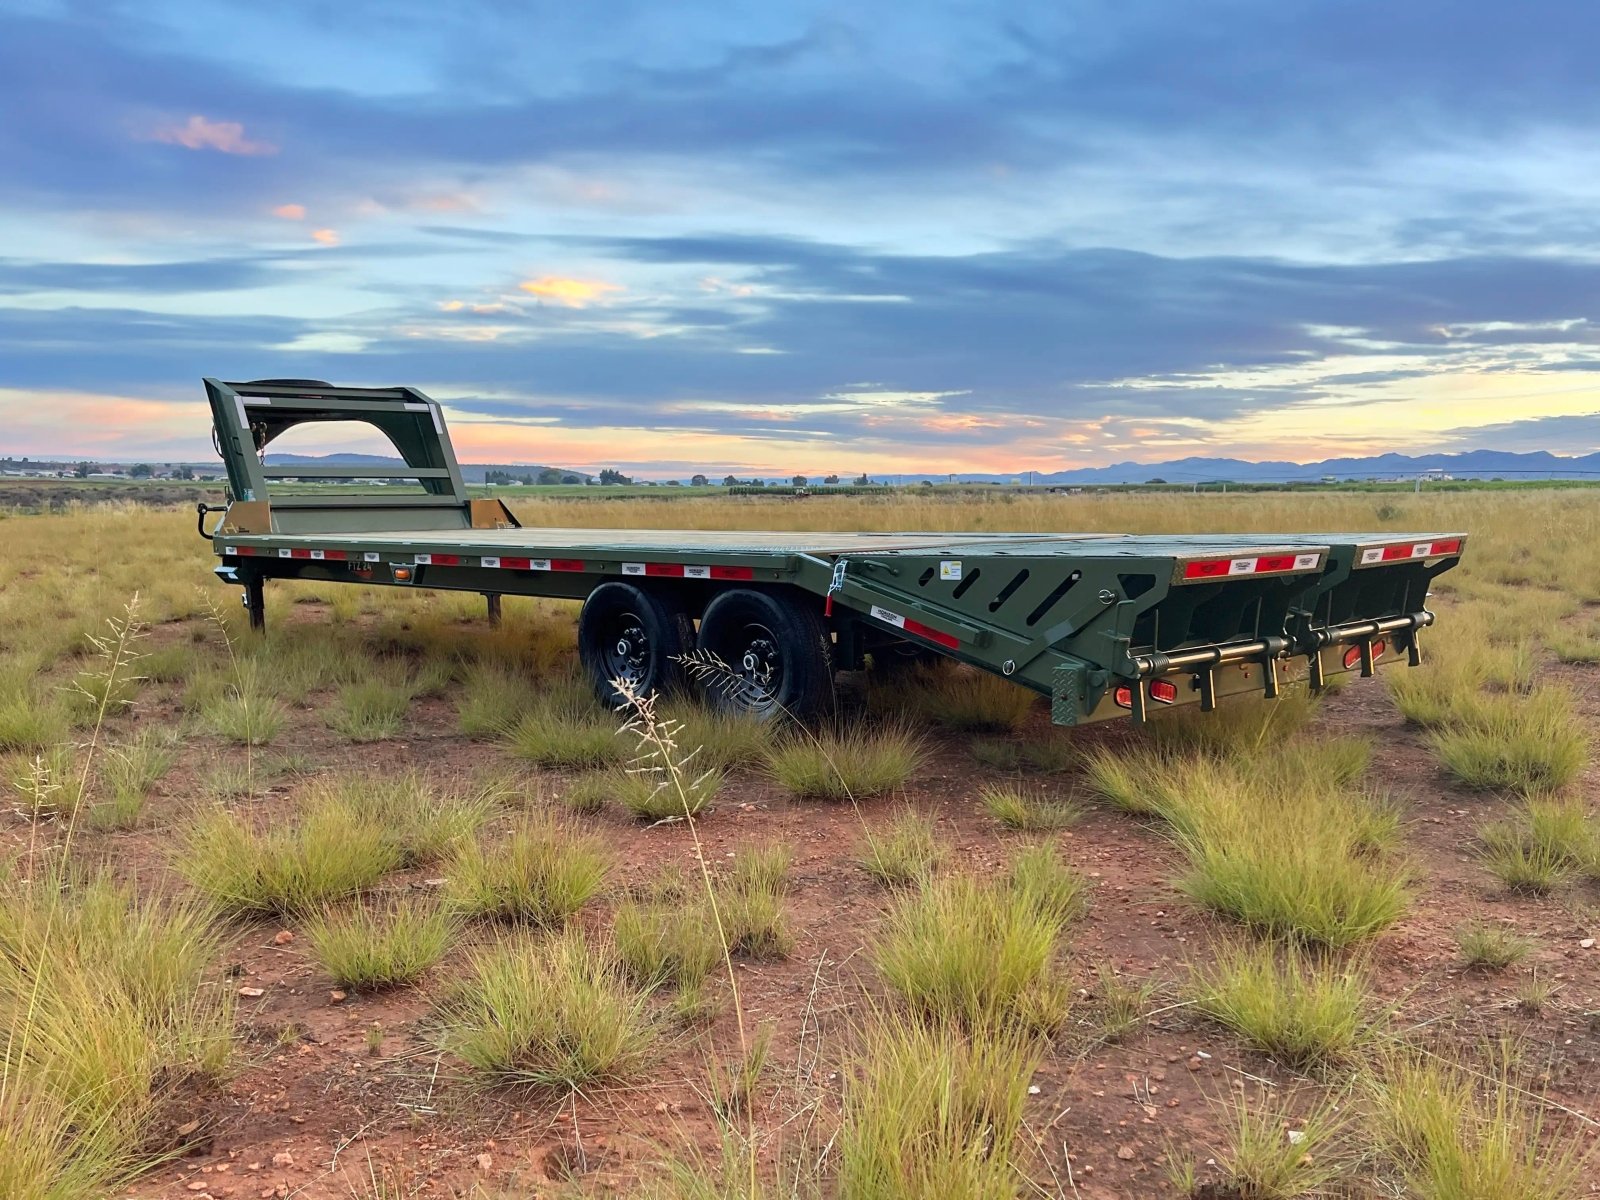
[630,654]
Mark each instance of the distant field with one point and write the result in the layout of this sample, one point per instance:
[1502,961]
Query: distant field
[43,495]
[372,907]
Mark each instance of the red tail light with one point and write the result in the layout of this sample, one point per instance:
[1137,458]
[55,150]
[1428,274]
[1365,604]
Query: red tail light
[1352,656]
[1123,697]
[1164,691]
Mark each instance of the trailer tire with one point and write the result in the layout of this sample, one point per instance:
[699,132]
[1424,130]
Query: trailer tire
[628,633]
[777,653]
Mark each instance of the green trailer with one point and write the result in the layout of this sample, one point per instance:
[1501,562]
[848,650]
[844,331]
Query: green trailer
[1105,625]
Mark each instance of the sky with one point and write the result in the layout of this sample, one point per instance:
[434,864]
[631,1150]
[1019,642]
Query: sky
[809,237]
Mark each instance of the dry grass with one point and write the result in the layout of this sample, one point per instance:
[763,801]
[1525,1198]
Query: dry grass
[932,1112]
[918,1120]
[380,945]
[1465,1130]
[1029,809]
[853,764]
[1299,1008]
[957,697]
[541,874]
[557,1013]
[906,851]
[976,952]
[1521,744]
[330,852]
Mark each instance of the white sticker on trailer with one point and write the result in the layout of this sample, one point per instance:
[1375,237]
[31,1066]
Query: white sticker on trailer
[319,554]
[693,572]
[423,560]
[488,561]
[1305,562]
[285,552]
[1422,550]
[633,568]
[950,568]
[538,564]
[892,618]
[371,556]
[1373,555]
[230,549]
[1242,566]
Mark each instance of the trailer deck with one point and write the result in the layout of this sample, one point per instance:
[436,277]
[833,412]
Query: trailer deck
[1104,624]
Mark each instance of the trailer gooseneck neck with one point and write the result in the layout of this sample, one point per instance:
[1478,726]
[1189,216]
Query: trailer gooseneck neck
[1105,625]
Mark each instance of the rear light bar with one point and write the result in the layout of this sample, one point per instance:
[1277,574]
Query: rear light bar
[1198,570]
[1408,551]
[1162,691]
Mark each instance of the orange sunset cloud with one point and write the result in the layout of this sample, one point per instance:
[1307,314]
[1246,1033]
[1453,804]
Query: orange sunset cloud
[572,293]
[200,133]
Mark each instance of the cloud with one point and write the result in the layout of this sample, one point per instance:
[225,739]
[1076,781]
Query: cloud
[200,133]
[325,237]
[573,293]
[290,212]
[1576,433]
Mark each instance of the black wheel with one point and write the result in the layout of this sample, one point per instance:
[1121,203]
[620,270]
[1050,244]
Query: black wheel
[630,634]
[776,651]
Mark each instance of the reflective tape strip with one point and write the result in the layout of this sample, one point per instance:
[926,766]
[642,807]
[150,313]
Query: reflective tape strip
[1410,550]
[890,617]
[532,564]
[1261,564]
[371,556]
[687,571]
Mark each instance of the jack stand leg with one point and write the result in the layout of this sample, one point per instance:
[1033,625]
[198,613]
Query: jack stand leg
[255,604]
[494,609]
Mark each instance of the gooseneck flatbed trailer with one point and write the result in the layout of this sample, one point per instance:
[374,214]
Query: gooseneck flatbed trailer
[1105,625]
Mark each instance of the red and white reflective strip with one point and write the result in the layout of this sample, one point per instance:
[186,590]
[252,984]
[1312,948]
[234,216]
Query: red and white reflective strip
[438,560]
[1255,564]
[495,562]
[687,571]
[916,627]
[1409,550]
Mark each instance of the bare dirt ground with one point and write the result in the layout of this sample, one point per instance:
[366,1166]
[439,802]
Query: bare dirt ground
[338,1094]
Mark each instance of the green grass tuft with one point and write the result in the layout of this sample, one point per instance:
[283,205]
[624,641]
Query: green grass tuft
[932,1112]
[556,1013]
[1523,744]
[1049,886]
[330,852]
[541,874]
[1027,809]
[370,710]
[1491,947]
[906,851]
[850,764]
[972,951]
[379,947]
[1292,1005]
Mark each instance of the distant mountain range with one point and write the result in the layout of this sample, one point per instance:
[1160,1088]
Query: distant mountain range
[1471,464]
